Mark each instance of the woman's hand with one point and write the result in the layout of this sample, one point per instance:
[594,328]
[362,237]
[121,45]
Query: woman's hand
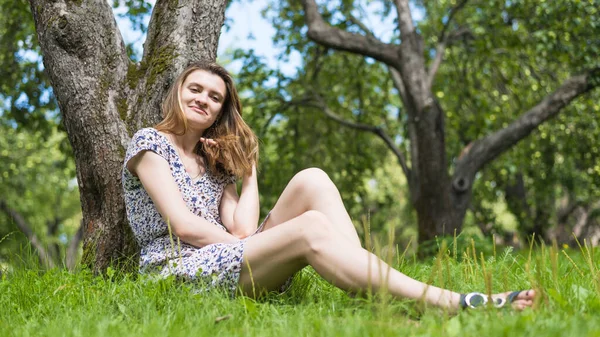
[209,142]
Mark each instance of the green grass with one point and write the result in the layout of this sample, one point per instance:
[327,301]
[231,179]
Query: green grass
[59,303]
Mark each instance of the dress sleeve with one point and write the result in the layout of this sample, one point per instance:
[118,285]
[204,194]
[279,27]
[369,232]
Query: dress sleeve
[147,139]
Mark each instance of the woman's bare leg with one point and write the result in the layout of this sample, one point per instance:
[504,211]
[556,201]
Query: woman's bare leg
[311,189]
[272,256]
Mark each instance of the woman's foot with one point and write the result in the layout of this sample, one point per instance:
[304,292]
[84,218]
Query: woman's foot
[518,300]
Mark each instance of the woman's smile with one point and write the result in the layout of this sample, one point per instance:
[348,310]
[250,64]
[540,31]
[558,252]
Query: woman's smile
[199,110]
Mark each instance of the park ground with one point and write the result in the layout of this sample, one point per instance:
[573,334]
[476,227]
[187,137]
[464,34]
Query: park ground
[56,302]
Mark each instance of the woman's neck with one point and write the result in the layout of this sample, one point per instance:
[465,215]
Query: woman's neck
[188,141]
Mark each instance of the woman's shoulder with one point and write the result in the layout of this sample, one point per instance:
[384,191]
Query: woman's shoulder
[147,132]
[151,135]
[148,139]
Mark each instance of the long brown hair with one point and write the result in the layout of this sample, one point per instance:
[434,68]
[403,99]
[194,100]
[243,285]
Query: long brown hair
[237,148]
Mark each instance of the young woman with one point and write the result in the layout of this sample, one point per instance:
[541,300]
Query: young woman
[183,206]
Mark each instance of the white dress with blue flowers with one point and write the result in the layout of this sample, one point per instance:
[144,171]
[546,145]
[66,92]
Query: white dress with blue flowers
[213,265]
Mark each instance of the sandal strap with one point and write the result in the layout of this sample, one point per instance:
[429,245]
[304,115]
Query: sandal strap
[511,297]
[463,304]
[473,300]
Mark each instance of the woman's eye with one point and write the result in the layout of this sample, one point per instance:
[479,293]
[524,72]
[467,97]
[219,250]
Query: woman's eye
[216,99]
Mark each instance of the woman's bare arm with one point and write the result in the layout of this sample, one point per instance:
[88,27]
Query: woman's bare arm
[240,213]
[155,175]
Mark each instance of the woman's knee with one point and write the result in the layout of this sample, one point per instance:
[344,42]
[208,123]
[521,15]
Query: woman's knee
[311,180]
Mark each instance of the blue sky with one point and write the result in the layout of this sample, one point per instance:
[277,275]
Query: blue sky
[246,21]
[248,30]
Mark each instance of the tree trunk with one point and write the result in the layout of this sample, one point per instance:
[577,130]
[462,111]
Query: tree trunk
[104,97]
[433,197]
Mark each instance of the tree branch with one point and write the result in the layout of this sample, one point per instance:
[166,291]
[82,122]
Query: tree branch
[410,109]
[86,60]
[320,104]
[439,53]
[29,234]
[451,14]
[399,85]
[324,34]
[361,25]
[485,150]
[443,42]
[405,21]
[412,63]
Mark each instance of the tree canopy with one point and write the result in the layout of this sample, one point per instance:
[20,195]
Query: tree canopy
[489,63]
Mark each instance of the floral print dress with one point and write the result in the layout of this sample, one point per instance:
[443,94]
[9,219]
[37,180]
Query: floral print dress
[213,265]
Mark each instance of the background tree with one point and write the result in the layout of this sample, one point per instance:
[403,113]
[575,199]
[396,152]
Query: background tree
[532,48]
[493,43]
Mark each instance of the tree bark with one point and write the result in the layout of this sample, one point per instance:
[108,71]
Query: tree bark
[104,97]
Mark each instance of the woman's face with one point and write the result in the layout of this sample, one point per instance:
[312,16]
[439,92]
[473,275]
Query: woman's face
[202,97]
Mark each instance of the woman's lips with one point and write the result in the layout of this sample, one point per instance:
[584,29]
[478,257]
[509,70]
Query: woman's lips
[199,110]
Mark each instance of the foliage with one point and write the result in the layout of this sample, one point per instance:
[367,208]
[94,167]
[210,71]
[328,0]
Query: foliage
[25,93]
[136,12]
[37,180]
[72,304]
[295,135]
[507,64]
[506,56]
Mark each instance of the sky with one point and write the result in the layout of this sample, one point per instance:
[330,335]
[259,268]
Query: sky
[246,21]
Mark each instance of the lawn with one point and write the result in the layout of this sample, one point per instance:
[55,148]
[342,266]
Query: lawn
[60,303]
